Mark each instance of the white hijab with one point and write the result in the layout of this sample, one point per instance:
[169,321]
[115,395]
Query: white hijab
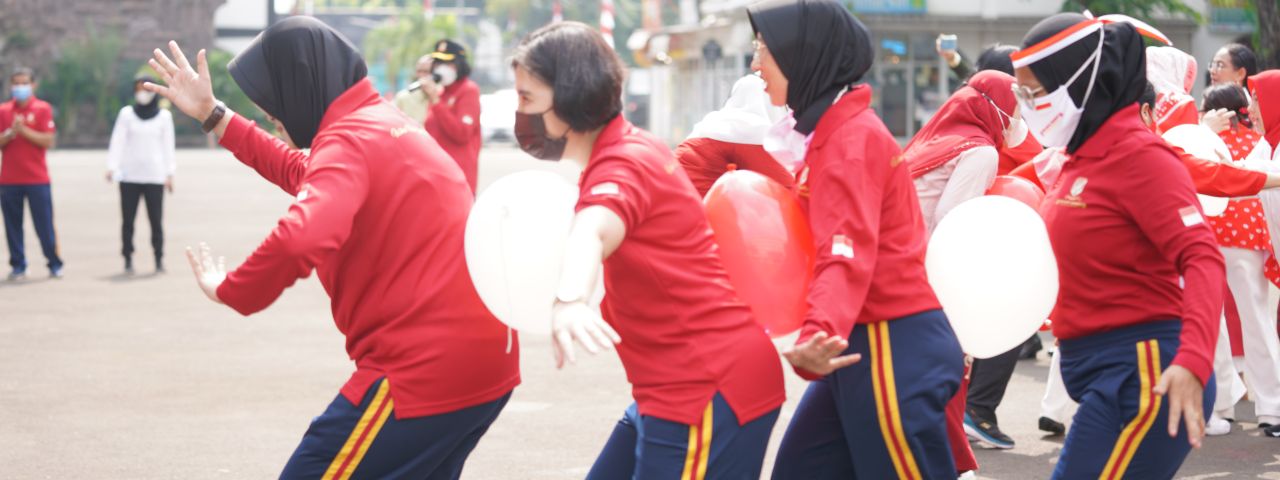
[745,118]
[1172,74]
[1170,70]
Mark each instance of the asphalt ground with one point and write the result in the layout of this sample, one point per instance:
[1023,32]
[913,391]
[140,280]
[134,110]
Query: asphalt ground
[113,377]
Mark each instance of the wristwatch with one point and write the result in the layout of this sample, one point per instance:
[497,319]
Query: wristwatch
[219,111]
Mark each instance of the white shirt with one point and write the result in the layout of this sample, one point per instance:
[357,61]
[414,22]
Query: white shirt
[142,151]
[967,176]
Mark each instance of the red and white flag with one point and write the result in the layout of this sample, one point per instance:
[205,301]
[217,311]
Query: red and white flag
[842,246]
[1190,216]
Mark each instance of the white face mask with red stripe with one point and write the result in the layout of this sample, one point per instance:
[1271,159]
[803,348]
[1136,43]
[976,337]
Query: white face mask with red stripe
[1053,118]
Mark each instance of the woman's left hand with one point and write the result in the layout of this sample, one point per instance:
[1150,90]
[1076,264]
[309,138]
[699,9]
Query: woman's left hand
[1185,395]
[821,354]
[209,275]
[168,184]
[576,321]
[190,89]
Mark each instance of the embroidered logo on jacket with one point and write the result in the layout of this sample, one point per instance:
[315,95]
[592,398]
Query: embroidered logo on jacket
[398,132]
[1073,198]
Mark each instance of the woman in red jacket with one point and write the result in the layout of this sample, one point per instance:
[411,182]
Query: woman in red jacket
[706,379]
[1141,276]
[453,118]
[954,158]
[732,138]
[433,366]
[884,416]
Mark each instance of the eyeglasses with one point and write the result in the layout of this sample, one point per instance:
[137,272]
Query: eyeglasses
[759,47]
[1026,94]
[1218,66]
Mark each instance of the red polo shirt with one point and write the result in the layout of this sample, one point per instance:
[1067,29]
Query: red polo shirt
[379,215]
[1125,224]
[685,334]
[23,162]
[866,223]
[455,124]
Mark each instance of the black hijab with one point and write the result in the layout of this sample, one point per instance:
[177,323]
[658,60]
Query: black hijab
[1122,73]
[152,108]
[294,70]
[820,47]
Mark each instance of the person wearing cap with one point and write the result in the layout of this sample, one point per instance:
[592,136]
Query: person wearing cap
[881,357]
[379,216]
[1140,273]
[453,117]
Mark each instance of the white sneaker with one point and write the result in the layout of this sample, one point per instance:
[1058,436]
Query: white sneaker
[1217,427]
[969,475]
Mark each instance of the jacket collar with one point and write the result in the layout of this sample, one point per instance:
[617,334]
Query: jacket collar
[1121,125]
[851,104]
[360,95]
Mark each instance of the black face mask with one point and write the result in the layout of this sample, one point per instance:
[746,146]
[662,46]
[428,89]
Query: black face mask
[531,134]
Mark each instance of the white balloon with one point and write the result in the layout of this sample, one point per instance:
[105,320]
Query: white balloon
[1200,142]
[992,268]
[514,246]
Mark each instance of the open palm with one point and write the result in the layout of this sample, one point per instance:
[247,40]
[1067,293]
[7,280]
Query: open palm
[189,89]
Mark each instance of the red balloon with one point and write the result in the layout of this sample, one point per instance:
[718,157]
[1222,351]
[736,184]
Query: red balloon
[1019,189]
[765,245]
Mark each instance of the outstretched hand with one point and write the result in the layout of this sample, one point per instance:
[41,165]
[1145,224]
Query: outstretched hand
[577,322]
[209,275]
[189,89]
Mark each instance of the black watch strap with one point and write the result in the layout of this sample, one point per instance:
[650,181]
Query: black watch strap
[219,111]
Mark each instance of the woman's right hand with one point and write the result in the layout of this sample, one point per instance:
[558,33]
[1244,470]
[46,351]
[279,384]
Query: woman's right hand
[577,321]
[1218,119]
[189,89]
[111,177]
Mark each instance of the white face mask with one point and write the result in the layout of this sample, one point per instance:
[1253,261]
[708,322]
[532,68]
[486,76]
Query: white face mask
[144,97]
[448,74]
[1014,131]
[1053,118]
[785,144]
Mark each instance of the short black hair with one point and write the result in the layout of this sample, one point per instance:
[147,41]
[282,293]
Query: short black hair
[996,57]
[1229,96]
[1148,97]
[23,71]
[585,75]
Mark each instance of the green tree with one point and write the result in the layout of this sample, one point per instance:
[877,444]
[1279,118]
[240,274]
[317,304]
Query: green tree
[404,38]
[85,82]
[1268,32]
[1134,8]
[525,16]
